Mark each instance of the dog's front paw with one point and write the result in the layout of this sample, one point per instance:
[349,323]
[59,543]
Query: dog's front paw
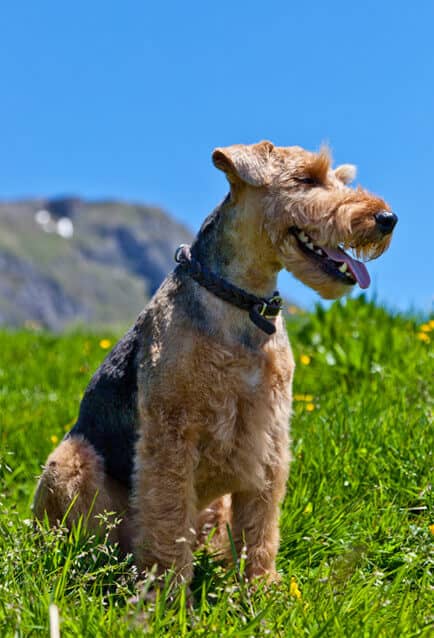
[270,577]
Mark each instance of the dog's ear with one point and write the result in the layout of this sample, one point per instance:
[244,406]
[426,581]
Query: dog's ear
[245,163]
[346,173]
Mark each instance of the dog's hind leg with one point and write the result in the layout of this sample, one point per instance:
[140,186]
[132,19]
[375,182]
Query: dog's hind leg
[74,484]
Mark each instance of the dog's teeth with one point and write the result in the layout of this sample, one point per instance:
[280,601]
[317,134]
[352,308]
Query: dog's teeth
[319,251]
[343,268]
[309,245]
[304,238]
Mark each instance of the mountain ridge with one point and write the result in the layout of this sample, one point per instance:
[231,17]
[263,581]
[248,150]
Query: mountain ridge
[67,261]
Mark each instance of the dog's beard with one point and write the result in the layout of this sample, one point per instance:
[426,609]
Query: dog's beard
[309,274]
[370,250]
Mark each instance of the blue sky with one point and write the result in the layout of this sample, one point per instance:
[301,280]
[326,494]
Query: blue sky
[128,99]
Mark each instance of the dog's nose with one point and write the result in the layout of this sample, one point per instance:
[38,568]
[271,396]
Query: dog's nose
[386,221]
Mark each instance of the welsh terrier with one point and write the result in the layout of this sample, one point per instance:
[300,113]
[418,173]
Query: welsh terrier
[185,425]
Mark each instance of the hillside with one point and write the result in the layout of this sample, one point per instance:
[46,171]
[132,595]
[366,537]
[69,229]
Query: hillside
[356,525]
[68,261]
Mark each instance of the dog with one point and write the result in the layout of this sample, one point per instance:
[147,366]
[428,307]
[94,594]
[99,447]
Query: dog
[185,425]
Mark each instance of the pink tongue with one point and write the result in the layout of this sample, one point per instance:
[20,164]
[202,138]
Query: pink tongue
[357,268]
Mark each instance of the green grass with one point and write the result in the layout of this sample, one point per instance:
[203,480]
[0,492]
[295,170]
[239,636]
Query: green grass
[355,524]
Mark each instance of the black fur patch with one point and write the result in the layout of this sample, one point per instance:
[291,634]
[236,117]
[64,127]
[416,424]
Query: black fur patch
[108,416]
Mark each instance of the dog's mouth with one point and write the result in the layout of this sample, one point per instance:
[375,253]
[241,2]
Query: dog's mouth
[335,262]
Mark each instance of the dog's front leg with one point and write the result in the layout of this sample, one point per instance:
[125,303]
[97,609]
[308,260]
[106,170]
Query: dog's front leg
[165,502]
[256,525]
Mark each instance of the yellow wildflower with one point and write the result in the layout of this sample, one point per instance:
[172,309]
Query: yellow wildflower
[423,337]
[431,528]
[294,590]
[310,407]
[105,344]
[305,359]
[303,397]
[431,324]
[425,327]
[54,439]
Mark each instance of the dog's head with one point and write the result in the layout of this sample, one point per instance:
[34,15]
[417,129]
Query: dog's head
[310,213]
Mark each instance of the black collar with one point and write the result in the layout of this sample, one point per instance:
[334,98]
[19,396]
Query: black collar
[261,309]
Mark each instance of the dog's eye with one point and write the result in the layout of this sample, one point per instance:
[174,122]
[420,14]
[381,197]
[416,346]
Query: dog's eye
[309,181]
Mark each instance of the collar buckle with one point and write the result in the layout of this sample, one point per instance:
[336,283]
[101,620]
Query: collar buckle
[271,307]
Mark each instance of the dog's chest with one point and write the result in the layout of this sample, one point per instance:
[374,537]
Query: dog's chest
[245,421]
[251,378]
